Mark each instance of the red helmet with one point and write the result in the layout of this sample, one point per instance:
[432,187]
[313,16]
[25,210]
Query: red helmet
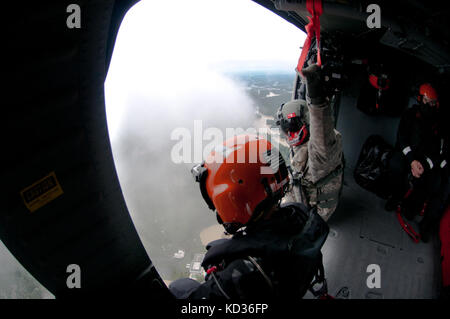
[428,95]
[239,178]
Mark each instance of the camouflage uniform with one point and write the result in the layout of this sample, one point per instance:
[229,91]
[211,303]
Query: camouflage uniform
[318,164]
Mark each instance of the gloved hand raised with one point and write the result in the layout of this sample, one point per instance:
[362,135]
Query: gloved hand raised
[314,83]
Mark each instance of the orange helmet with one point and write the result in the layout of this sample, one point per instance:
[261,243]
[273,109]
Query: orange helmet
[429,93]
[240,177]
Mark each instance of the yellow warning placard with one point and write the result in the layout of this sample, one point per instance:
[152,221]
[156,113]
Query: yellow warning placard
[42,192]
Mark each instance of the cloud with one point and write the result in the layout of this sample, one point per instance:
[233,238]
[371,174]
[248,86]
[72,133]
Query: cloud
[162,197]
[166,73]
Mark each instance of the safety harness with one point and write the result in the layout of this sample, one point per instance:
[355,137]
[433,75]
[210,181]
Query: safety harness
[251,247]
[319,279]
[314,190]
[314,7]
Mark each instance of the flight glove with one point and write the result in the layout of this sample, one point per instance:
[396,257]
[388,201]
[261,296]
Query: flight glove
[314,84]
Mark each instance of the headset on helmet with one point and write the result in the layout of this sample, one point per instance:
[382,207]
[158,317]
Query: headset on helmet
[293,121]
[241,178]
[426,90]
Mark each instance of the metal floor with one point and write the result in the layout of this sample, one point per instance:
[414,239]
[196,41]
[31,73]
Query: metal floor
[363,233]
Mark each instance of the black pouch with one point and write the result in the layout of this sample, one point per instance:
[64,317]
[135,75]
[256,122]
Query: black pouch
[371,169]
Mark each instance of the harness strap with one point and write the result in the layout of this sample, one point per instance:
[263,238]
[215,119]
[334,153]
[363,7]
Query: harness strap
[219,286]
[211,271]
[314,7]
[319,278]
[424,208]
[405,225]
[328,199]
[254,262]
[328,203]
[324,180]
[323,197]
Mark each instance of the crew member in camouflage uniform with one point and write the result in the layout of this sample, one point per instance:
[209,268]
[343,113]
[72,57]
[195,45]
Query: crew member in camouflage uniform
[316,147]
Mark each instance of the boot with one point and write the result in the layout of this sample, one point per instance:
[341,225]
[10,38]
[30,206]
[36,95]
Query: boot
[425,231]
[411,207]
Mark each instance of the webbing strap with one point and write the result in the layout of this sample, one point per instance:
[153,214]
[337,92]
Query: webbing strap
[406,226]
[314,7]
[336,172]
[266,278]
[327,203]
[321,197]
[219,286]
[319,278]
[324,200]
[324,180]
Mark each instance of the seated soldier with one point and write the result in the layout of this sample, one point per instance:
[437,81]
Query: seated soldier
[316,147]
[419,160]
[274,250]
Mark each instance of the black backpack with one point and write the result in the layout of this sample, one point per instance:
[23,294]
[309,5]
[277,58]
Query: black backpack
[372,167]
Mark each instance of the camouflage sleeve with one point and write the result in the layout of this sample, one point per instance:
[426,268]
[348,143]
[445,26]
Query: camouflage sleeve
[325,146]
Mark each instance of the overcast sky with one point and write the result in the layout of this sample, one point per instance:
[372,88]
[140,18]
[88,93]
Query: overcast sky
[166,72]
[159,40]
[210,32]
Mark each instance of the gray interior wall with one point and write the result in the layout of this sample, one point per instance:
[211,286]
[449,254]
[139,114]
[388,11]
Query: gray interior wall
[356,126]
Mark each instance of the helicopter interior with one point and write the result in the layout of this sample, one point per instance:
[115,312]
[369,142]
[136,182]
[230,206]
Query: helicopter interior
[56,142]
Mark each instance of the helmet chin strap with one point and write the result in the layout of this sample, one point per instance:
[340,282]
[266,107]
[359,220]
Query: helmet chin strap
[297,138]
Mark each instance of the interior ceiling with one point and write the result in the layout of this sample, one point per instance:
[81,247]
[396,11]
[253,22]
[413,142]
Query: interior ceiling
[418,29]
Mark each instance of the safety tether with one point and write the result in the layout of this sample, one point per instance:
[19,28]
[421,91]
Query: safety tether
[405,225]
[314,7]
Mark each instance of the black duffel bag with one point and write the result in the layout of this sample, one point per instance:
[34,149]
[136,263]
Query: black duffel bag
[371,169]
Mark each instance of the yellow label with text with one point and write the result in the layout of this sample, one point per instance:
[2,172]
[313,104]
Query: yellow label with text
[42,192]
